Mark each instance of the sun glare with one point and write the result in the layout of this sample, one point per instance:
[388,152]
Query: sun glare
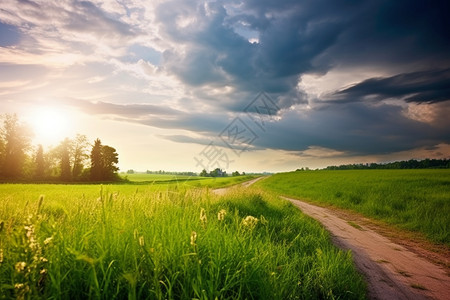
[50,125]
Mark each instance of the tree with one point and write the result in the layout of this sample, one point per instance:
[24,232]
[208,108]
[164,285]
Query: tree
[235,173]
[80,144]
[16,139]
[204,173]
[110,161]
[96,161]
[40,163]
[104,161]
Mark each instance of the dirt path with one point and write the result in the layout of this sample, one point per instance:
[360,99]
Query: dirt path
[222,191]
[391,270]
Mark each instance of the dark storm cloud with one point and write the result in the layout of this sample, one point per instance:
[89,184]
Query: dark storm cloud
[429,86]
[301,37]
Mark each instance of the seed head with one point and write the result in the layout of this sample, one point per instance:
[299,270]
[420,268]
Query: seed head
[193,238]
[221,214]
[203,218]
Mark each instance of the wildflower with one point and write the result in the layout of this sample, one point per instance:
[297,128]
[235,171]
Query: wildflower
[203,216]
[141,241]
[20,266]
[250,222]
[43,272]
[221,214]
[43,259]
[1,256]
[193,238]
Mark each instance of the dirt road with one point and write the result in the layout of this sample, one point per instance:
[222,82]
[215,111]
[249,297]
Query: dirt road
[222,191]
[391,270]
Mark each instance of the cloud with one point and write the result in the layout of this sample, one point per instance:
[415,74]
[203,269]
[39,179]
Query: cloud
[419,87]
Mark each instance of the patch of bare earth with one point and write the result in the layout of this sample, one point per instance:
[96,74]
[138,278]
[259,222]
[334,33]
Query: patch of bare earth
[409,268]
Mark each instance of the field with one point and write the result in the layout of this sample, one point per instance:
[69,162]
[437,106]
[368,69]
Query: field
[188,181]
[164,241]
[415,200]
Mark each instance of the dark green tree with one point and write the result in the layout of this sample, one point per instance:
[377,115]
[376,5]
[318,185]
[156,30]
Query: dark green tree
[16,139]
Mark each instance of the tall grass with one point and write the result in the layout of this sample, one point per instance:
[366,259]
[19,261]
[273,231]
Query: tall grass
[174,243]
[416,200]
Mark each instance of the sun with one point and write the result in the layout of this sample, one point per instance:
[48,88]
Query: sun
[50,125]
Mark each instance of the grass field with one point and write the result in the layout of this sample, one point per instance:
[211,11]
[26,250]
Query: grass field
[416,200]
[164,241]
[190,181]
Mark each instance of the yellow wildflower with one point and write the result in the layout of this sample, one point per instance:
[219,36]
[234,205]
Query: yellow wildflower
[221,214]
[250,222]
[20,266]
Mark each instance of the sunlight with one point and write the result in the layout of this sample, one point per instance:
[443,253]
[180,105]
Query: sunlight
[50,125]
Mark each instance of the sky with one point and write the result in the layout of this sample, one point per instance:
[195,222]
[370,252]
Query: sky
[256,85]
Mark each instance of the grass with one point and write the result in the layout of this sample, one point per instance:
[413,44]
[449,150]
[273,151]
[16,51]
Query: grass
[190,181]
[415,200]
[157,242]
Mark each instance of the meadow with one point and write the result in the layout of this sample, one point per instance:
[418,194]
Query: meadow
[414,200]
[188,181]
[165,241]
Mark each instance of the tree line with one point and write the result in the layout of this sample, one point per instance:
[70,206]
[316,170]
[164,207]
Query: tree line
[72,160]
[407,164]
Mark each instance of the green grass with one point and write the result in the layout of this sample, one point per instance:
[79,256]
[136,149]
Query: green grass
[415,200]
[190,181]
[157,242]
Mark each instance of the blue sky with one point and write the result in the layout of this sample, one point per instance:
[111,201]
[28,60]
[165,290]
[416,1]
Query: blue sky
[252,85]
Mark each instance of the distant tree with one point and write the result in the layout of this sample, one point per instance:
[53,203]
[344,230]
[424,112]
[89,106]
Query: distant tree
[65,148]
[131,171]
[217,172]
[97,161]
[79,155]
[40,163]
[204,173]
[15,138]
[235,173]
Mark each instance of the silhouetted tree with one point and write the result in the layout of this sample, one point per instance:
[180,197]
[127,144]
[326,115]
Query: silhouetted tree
[104,161]
[97,161]
[16,141]
[40,163]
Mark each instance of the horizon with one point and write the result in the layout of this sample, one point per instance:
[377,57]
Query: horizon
[249,86]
